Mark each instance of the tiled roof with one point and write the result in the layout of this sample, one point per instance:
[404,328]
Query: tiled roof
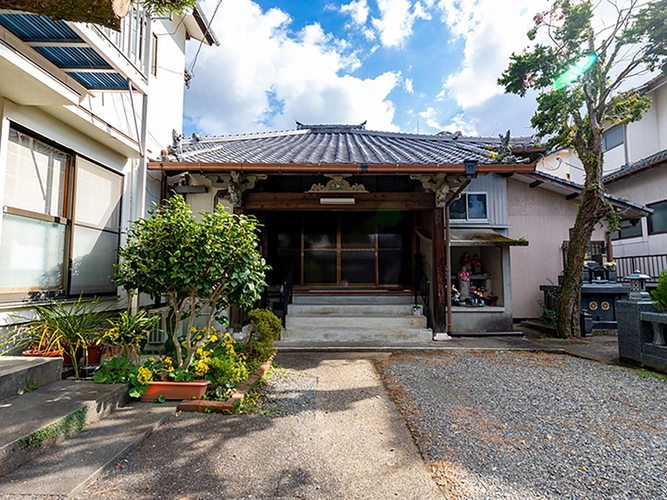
[527,141]
[655,160]
[637,209]
[327,144]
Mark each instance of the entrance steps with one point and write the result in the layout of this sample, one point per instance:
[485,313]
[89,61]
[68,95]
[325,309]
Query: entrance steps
[345,318]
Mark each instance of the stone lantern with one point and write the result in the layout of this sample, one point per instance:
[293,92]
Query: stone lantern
[638,286]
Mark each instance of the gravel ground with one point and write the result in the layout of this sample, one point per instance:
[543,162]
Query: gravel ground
[510,425]
[288,392]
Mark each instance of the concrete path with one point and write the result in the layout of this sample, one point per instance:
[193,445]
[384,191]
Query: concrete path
[351,443]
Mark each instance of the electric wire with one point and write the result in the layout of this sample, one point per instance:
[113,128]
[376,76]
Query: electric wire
[201,42]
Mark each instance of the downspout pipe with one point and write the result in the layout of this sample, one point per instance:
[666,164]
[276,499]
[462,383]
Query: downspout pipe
[470,173]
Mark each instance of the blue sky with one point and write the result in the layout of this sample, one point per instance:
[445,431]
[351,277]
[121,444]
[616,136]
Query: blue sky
[402,65]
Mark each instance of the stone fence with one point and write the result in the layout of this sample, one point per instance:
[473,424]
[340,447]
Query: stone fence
[641,334]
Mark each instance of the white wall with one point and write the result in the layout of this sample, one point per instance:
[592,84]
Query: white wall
[647,187]
[544,218]
[563,163]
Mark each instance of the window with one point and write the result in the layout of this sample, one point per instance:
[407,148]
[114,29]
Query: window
[60,223]
[613,137]
[629,229]
[154,56]
[470,206]
[657,222]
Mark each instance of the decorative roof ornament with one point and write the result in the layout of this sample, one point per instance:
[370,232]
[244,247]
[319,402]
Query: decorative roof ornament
[504,154]
[337,184]
[330,127]
[176,143]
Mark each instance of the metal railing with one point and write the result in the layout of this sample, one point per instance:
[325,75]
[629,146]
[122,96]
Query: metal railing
[650,265]
[422,287]
[287,288]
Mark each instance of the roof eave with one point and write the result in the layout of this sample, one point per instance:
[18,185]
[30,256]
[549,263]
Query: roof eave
[199,28]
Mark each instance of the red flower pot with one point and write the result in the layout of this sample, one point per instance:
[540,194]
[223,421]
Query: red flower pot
[175,390]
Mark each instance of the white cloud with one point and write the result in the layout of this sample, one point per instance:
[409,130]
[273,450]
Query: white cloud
[459,123]
[408,85]
[261,77]
[358,11]
[396,21]
[491,31]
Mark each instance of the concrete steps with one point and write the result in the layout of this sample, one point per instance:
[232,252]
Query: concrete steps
[34,422]
[68,468]
[358,318]
[20,374]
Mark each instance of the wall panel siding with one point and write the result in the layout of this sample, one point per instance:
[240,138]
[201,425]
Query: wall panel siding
[495,188]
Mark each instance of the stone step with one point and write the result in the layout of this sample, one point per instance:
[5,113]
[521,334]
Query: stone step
[383,335]
[352,299]
[351,309]
[21,374]
[69,467]
[33,423]
[358,322]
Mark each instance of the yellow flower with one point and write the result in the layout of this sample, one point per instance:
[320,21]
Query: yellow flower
[144,375]
[213,338]
[200,369]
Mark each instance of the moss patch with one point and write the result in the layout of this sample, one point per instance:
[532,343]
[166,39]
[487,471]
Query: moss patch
[67,426]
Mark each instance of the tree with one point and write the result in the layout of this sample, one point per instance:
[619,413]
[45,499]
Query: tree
[573,112]
[103,12]
[202,267]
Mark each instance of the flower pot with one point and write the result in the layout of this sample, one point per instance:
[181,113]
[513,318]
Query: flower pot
[94,354]
[175,390]
[42,354]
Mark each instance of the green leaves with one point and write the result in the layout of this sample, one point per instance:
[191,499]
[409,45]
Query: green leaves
[213,263]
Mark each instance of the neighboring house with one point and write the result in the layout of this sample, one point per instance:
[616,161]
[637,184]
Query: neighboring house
[349,208]
[636,162]
[81,107]
[634,157]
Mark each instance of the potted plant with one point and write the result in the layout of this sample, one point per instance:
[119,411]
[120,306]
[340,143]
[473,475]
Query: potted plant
[67,331]
[126,332]
[201,267]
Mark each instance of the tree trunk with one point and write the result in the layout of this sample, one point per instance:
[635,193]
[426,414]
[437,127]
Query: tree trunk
[592,209]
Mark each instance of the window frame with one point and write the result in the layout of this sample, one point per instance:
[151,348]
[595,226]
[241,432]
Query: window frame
[466,204]
[618,235]
[67,220]
[620,127]
[650,217]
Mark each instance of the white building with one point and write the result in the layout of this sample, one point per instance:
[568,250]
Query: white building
[81,108]
[636,167]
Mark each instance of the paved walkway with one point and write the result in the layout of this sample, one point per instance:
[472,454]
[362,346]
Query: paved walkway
[349,443]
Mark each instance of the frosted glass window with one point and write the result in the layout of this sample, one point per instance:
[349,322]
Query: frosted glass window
[98,193]
[613,137]
[477,206]
[35,178]
[93,259]
[31,254]
[470,206]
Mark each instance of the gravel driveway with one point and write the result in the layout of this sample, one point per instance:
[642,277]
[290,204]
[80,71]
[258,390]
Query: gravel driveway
[524,425]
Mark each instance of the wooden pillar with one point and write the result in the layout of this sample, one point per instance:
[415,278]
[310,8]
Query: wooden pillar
[439,281]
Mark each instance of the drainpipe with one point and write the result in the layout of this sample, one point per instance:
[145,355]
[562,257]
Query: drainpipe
[470,173]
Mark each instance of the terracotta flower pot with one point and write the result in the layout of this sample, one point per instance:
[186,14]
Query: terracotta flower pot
[41,354]
[175,390]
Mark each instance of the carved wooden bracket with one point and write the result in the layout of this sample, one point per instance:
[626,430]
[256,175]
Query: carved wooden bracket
[338,184]
[234,184]
[440,184]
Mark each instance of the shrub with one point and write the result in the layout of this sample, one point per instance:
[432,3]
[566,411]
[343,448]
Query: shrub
[202,267]
[264,331]
[659,295]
